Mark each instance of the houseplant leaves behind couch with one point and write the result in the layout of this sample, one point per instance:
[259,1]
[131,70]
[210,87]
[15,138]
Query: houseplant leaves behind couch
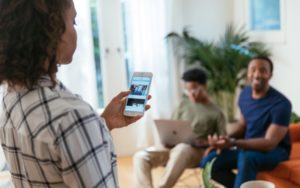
[224,60]
[295,118]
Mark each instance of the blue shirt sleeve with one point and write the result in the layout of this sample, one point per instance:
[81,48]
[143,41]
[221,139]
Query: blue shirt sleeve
[281,113]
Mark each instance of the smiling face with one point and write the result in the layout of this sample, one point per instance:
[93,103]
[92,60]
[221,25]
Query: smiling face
[67,45]
[259,74]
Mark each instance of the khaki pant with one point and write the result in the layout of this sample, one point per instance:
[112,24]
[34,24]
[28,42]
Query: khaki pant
[176,160]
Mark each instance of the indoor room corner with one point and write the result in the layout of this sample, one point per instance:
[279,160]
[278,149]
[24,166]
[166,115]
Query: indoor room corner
[119,37]
[124,48]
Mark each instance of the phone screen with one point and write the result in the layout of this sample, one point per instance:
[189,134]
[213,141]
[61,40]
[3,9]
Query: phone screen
[137,98]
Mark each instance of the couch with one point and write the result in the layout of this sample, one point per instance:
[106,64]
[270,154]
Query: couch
[287,173]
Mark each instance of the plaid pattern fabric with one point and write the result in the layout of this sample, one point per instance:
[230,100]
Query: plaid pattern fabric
[52,138]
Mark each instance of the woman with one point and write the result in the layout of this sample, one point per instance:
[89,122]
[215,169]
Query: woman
[51,138]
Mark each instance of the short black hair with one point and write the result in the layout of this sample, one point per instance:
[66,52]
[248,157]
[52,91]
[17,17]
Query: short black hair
[195,75]
[265,58]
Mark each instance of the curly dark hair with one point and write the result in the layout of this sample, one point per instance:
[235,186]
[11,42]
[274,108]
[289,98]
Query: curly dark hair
[195,75]
[30,31]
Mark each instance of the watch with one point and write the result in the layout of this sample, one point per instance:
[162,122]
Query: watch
[232,141]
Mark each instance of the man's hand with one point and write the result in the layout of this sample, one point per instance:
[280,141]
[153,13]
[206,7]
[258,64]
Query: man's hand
[200,143]
[219,142]
[113,113]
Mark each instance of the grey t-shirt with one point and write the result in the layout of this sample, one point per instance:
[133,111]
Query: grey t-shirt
[206,119]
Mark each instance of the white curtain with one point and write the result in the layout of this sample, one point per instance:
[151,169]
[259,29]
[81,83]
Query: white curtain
[80,75]
[149,53]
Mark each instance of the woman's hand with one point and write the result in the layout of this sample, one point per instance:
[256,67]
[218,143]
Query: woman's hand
[113,113]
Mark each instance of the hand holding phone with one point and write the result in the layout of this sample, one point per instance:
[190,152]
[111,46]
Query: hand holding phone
[113,112]
[139,90]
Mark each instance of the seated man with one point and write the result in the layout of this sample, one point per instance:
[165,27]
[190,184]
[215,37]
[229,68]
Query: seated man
[262,138]
[206,119]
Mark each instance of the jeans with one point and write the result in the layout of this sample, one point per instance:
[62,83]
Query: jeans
[247,162]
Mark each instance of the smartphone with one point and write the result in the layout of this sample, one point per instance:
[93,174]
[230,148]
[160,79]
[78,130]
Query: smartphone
[139,90]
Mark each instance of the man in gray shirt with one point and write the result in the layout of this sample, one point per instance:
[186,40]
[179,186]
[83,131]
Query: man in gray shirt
[206,119]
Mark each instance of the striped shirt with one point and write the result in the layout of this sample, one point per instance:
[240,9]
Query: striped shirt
[52,138]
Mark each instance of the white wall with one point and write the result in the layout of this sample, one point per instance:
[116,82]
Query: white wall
[207,19]
[286,57]
[285,54]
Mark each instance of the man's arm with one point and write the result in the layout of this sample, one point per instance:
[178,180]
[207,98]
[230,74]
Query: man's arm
[222,142]
[240,129]
[274,135]
[221,125]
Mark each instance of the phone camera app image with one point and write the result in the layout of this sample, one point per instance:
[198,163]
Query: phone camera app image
[138,103]
[138,89]
[137,98]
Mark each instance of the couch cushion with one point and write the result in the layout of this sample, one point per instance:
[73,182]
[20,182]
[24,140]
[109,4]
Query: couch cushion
[295,175]
[287,174]
[279,182]
[295,152]
[283,170]
[294,129]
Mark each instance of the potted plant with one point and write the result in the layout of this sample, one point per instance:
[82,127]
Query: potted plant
[225,61]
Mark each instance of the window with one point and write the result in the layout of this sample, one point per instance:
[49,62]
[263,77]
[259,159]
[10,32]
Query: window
[83,76]
[127,39]
[96,43]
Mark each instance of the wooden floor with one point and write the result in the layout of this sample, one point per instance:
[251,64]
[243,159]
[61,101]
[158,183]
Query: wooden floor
[191,178]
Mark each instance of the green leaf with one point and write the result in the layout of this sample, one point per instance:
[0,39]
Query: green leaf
[206,174]
[294,118]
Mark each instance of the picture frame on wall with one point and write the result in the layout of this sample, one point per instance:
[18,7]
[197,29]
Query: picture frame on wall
[266,20]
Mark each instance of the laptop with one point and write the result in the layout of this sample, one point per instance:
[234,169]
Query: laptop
[173,132]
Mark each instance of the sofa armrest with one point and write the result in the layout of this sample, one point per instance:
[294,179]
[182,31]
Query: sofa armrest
[294,130]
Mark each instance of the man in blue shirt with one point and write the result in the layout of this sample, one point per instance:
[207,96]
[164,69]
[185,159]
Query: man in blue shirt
[261,137]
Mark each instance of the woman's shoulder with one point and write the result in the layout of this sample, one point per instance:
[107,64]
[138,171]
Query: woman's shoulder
[68,102]
[44,104]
